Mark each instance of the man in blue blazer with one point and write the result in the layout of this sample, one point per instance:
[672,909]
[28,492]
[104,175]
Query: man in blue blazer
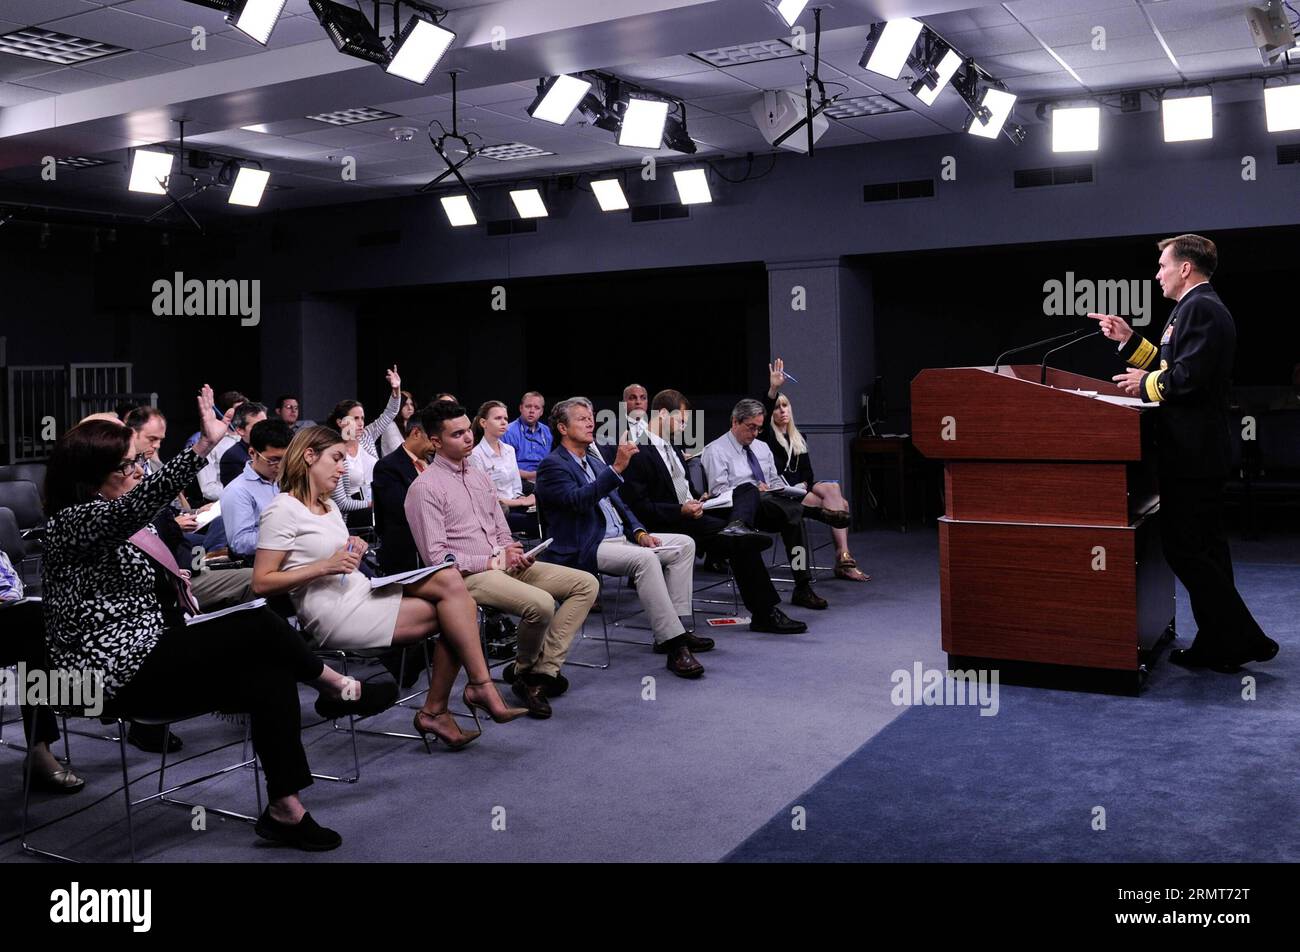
[577,494]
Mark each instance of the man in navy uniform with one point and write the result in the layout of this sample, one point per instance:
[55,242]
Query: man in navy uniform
[1189,376]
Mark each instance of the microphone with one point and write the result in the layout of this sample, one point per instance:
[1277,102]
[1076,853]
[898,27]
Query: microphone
[1037,343]
[1042,377]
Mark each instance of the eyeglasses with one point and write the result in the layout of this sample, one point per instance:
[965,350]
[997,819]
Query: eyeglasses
[751,427]
[124,468]
[270,460]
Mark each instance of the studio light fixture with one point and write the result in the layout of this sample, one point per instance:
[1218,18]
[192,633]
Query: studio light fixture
[1188,118]
[890,45]
[939,70]
[692,186]
[787,10]
[1282,108]
[458,210]
[150,169]
[418,49]
[595,113]
[253,18]
[675,135]
[557,97]
[643,123]
[250,184]
[991,114]
[609,195]
[1076,128]
[528,203]
[350,31]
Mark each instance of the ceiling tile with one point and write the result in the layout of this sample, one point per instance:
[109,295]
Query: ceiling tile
[895,125]
[132,65]
[1049,9]
[1193,14]
[218,48]
[14,68]
[12,94]
[660,68]
[995,41]
[1211,38]
[185,15]
[67,80]
[964,21]
[32,12]
[111,25]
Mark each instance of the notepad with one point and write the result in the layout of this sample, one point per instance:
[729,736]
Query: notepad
[406,578]
[201,519]
[241,607]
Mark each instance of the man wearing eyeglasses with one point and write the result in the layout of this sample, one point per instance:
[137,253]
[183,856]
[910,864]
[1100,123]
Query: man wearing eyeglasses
[256,487]
[735,459]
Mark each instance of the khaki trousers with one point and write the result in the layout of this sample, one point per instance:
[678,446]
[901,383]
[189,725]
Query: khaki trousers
[545,632]
[663,577]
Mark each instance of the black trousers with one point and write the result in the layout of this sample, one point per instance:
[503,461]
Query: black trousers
[1191,531]
[251,663]
[22,639]
[771,512]
[752,580]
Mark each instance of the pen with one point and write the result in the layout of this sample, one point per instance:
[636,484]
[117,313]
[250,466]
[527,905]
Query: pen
[791,377]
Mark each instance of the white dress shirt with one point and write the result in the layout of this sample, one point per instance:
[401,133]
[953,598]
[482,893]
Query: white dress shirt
[675,468]
[210,475]
[726,466]
[500,466]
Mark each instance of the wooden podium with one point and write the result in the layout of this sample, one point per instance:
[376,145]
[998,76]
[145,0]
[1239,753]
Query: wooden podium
[1049,550]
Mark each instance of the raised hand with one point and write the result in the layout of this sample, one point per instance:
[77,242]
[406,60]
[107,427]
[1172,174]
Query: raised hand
[626,450]
[211,428]
[394,379]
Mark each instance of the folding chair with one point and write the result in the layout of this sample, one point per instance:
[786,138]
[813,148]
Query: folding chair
[163,794]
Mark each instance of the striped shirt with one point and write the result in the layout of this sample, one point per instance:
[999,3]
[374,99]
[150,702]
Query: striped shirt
[452,509]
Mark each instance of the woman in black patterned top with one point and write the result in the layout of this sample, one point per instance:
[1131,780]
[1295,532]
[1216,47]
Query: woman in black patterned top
[116,605]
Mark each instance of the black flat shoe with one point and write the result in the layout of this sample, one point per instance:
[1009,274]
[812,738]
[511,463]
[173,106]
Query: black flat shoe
[306,834]
[777,622]
[149,738]
[375,698]
[1187,658]
[553,685]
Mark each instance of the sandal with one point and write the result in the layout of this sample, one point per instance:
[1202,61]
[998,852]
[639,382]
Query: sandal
[846,567]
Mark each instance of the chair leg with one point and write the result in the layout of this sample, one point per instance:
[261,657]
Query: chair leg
[126,783]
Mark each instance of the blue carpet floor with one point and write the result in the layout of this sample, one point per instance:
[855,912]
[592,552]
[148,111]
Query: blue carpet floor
[1190,771]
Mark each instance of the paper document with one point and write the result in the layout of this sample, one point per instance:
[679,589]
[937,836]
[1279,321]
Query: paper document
[241,607]
[722,501]
[406,578]
[1125,401]
[201,519]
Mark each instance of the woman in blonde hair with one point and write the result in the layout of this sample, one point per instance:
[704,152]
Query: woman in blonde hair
[304,549]
[790,451]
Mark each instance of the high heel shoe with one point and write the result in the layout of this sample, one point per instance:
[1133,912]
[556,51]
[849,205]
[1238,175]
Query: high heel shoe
[510,712]
[467,737]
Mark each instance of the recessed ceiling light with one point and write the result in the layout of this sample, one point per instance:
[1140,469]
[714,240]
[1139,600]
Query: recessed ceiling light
[50,47]
[351,117]
[82,162]
[744,53]
[507,151]
[862,106]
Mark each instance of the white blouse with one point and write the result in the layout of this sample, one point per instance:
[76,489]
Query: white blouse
[500,467]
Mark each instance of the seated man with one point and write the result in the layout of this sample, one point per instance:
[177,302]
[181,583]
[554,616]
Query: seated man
[530,438]
[255,488]
[393,477]
[288,409]
[659,493]
[233,460]
[452,509]
[578,497]
[636,407]
[735,459]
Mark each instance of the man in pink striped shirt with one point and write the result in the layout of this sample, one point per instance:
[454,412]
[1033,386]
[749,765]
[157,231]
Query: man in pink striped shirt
[452,509]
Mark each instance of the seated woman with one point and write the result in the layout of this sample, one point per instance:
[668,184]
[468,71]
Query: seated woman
[395,434]
[790,452]
[116,604]
[348,419]
[303,548]
[497,458]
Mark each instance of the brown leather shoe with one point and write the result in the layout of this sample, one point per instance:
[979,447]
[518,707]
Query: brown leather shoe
[697,644]
[533,697]
[805,597]
[684,664]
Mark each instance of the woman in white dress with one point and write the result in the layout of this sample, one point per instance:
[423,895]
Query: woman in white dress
[497,458]
[303,548]
[348,419]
